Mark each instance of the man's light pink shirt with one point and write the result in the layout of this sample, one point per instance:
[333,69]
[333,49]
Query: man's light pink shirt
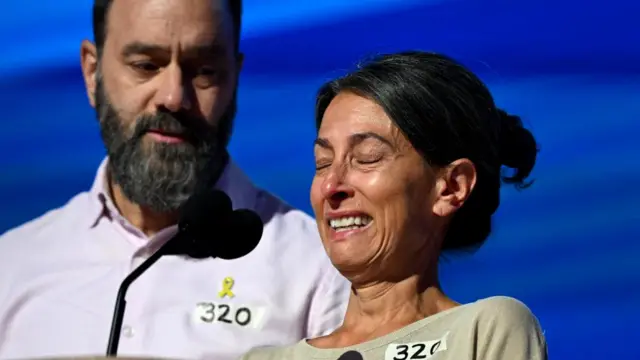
[59,275]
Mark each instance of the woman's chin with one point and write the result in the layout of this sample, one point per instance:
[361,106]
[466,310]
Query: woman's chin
[350,263]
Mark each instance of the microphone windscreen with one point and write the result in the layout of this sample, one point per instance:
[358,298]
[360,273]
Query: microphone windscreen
[202,212]
[242,234]
[351,355]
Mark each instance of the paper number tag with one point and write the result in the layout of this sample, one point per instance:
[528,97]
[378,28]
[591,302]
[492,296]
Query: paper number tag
[225,313]
[416,350]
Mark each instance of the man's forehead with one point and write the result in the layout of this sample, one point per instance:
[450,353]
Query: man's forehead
[165,18]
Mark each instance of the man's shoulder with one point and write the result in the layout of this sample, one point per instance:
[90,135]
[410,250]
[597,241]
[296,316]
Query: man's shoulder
[284,218]
[52,220]
[291,236]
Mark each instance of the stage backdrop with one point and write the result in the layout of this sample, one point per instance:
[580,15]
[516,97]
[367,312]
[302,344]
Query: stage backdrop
[568,246]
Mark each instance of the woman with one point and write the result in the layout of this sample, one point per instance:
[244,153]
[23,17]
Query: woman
[408,156]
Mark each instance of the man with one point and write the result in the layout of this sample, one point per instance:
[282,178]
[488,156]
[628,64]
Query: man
[162,77]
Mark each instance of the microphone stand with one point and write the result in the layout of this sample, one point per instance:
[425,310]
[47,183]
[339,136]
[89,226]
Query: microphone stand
[121,303]
[170,247]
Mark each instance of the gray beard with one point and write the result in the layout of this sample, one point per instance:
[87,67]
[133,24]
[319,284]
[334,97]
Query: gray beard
[155,175]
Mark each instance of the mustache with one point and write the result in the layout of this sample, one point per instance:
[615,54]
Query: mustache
[193,129]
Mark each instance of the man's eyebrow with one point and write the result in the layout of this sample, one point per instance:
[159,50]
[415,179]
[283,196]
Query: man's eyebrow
[205,50]
[136,48]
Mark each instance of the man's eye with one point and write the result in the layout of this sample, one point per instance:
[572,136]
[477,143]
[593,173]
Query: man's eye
[207,71]
[146,67]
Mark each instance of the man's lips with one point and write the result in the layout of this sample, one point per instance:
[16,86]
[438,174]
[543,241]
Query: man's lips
[167,137]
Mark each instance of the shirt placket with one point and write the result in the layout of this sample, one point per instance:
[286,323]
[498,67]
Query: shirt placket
[135,334]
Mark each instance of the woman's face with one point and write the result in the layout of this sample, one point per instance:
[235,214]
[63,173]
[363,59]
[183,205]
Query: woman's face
[372,193]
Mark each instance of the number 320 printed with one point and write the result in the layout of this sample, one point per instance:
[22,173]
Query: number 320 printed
[209,312]
[417,350]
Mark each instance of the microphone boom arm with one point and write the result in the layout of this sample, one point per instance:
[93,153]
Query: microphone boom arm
[188,241]
[121,303]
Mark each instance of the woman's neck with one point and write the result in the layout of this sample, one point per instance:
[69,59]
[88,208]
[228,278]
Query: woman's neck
[379,309]
[400,303]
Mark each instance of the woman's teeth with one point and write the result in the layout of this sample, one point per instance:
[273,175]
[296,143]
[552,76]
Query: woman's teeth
[350,222]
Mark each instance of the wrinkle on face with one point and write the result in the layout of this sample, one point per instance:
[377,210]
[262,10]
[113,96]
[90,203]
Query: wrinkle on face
[388,179]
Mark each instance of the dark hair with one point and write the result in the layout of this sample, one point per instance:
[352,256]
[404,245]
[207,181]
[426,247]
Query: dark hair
[101,13]
[447,113]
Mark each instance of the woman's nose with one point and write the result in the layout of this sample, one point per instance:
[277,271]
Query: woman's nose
[335,190]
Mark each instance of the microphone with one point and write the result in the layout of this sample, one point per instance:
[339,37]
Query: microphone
[205,216]
[202,214]
[351,355]
[244,231]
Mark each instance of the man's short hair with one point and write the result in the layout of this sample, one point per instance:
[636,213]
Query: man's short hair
[101,13]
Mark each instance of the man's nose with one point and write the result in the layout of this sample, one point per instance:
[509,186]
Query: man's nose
[174,93]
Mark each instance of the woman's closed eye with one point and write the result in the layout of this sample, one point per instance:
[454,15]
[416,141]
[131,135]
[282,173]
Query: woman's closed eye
[368,160]
[368,157]
[322,164]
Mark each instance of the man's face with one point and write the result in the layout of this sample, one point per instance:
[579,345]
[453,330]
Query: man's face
[165,96]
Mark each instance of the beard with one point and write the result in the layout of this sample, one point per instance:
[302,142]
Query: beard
[156,175]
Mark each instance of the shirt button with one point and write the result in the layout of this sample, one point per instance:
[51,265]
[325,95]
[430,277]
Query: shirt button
[127,331]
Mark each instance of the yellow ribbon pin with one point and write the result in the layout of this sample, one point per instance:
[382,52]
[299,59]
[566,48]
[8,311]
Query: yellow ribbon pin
[227,284]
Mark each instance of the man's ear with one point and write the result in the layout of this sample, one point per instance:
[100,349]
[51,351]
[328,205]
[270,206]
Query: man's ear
[239,65]
[453,186]
[89,62]
[239,62]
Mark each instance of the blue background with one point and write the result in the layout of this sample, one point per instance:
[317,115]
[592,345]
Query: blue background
[568,246]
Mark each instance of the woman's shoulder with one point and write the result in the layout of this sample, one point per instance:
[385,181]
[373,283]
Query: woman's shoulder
[494,314]
[507,329]
[502,309]
[508,318]
[495,328]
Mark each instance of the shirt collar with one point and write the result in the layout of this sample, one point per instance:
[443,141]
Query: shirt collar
[101,203]
[233,181]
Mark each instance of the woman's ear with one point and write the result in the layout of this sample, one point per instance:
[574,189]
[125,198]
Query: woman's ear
[453,186]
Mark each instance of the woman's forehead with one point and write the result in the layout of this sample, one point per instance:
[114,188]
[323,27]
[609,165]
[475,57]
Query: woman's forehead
[348,110]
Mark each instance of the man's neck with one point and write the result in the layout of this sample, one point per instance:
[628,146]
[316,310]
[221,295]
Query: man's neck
[145,220]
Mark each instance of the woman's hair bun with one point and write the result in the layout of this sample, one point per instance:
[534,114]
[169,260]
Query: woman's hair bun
[518,149]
